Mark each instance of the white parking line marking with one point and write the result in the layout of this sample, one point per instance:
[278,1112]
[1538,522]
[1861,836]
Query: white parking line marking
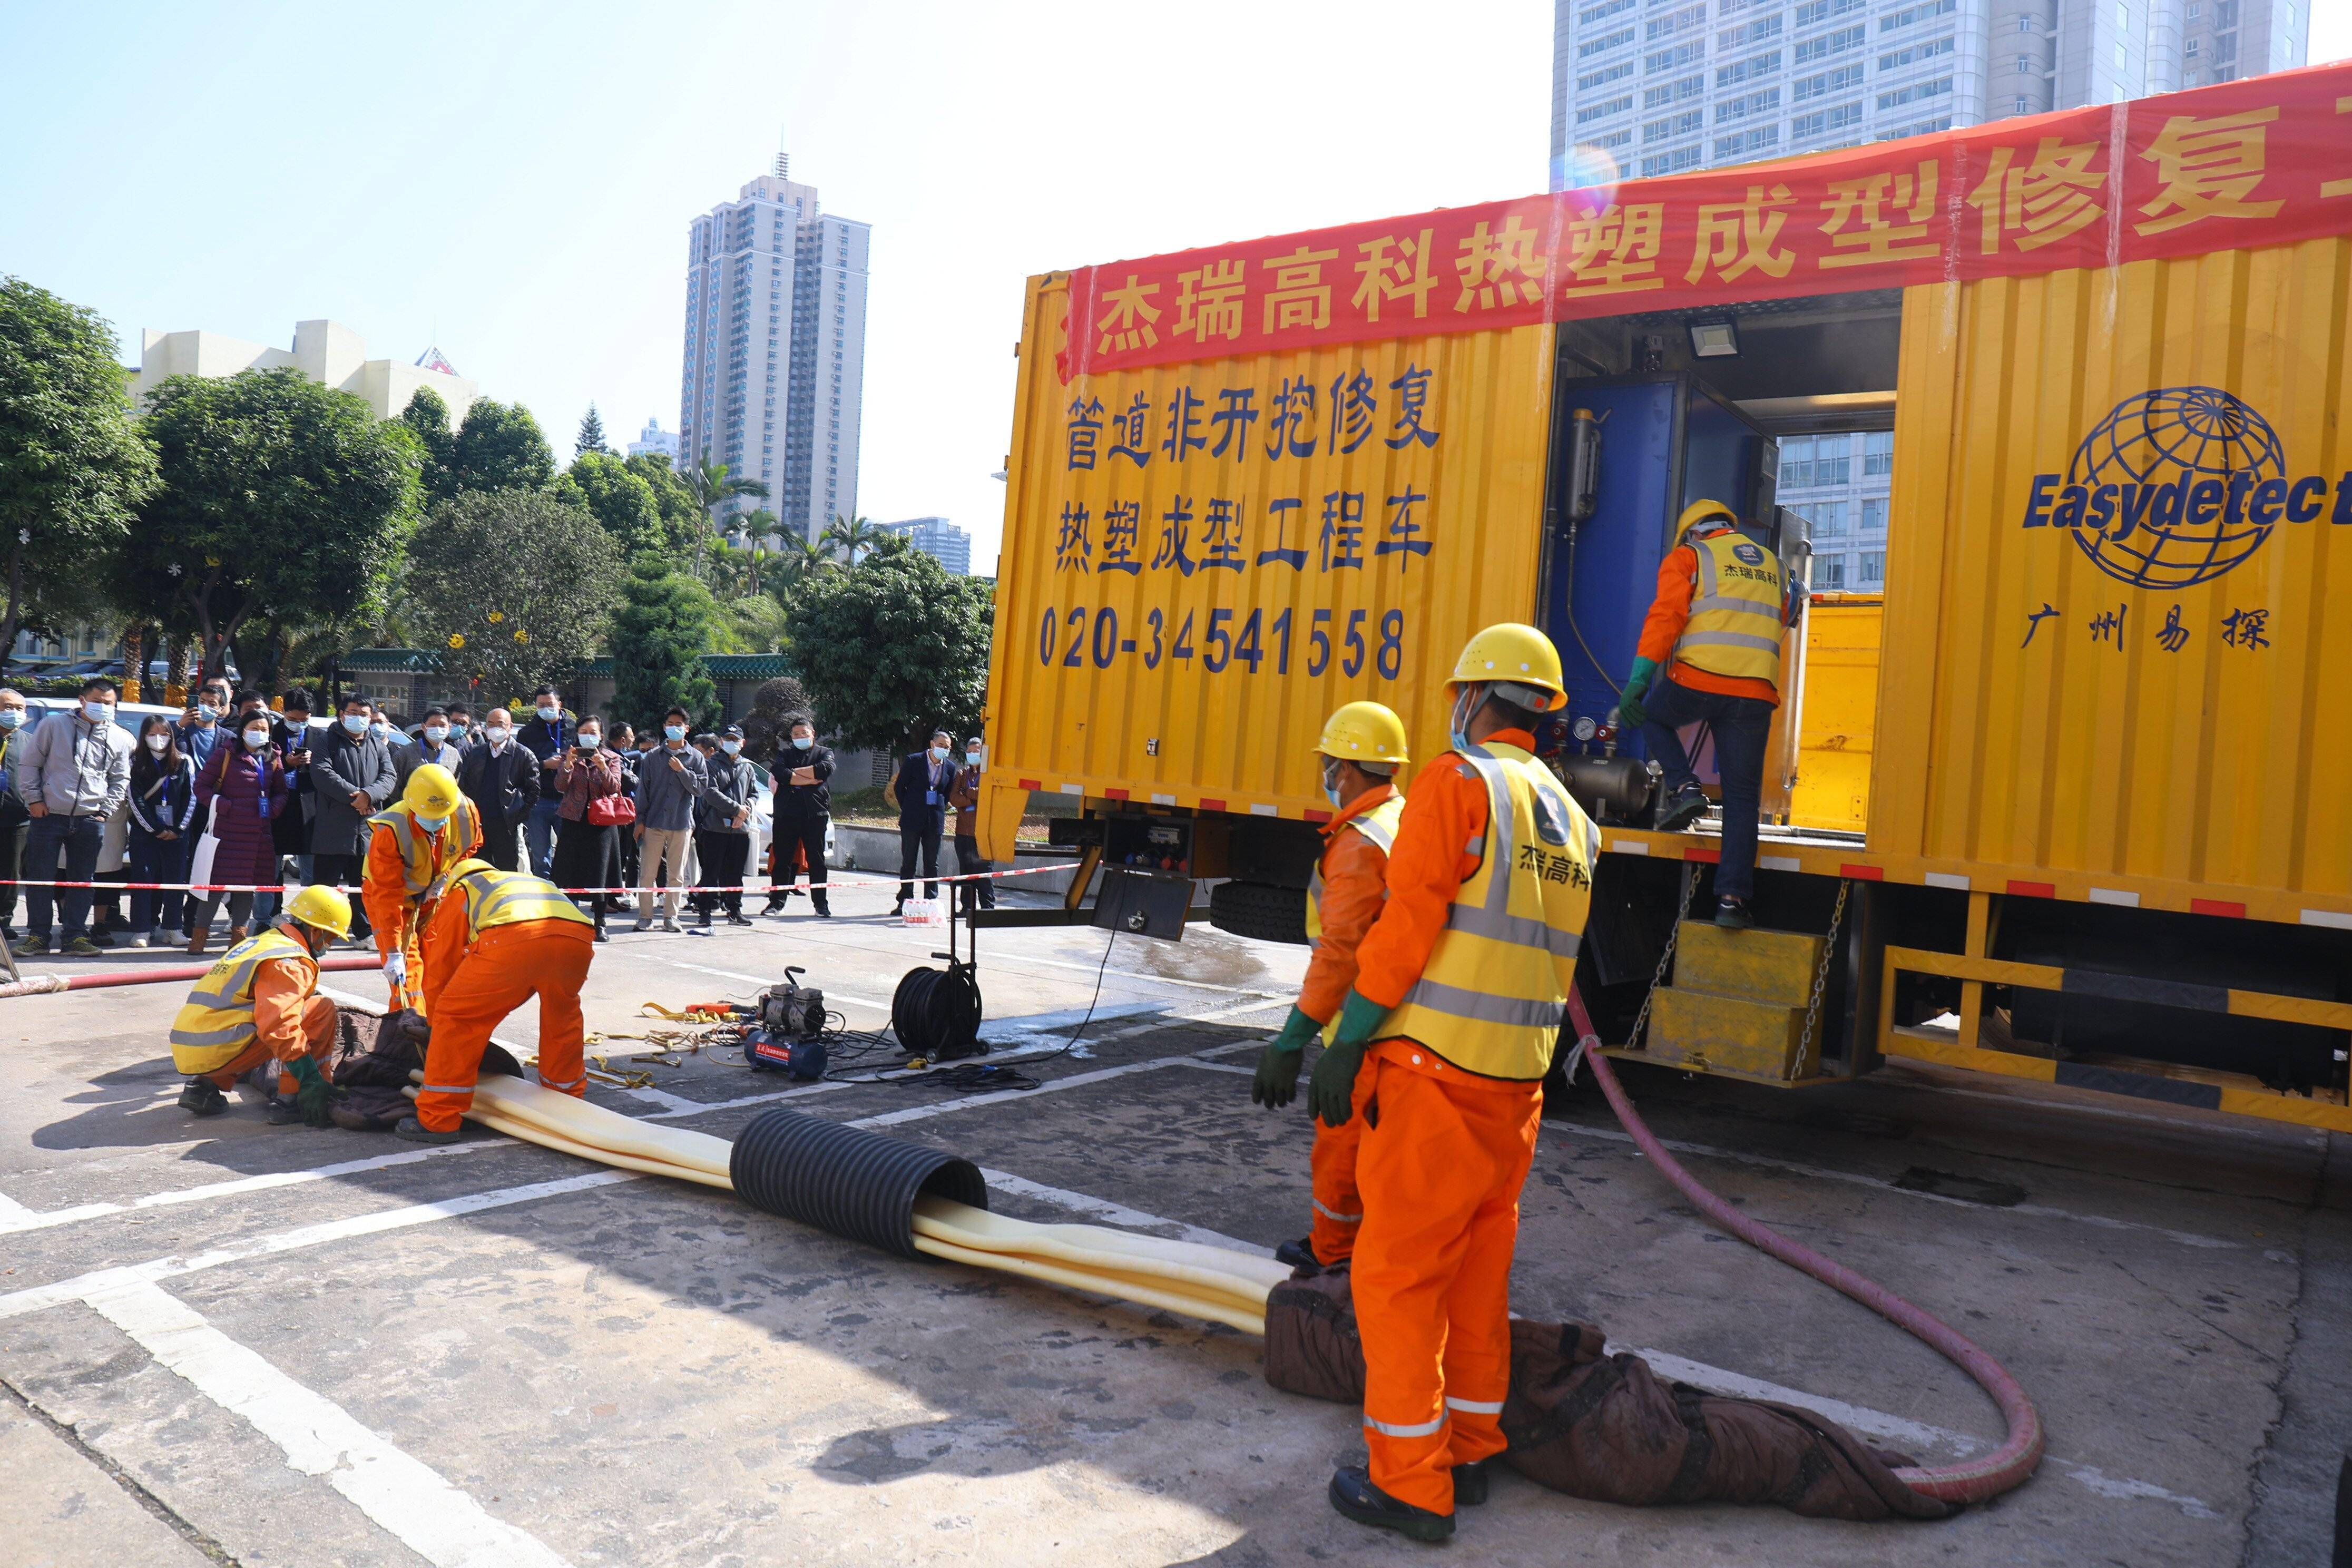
[408,1498]
[27,1220]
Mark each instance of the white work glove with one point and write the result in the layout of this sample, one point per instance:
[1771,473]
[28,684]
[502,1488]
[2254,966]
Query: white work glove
[395,968]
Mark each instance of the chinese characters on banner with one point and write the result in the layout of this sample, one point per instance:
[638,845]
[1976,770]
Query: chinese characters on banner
[2242,165]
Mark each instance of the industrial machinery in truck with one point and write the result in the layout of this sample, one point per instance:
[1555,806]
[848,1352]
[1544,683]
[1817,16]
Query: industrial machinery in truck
[2068,805]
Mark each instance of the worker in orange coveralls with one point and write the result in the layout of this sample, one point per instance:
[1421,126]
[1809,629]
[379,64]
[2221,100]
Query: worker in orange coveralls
[1460,989]
[1361,747]
[259,1003]
[496,938]
[411,845]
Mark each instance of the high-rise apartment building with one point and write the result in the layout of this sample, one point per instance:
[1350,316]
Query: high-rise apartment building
[775,349]
[1663,85]
[941,540]
[654,439]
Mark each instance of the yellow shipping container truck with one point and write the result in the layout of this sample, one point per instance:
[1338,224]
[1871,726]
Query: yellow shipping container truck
[2069,801]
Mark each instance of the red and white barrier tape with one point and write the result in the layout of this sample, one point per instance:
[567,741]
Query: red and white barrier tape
[830,882]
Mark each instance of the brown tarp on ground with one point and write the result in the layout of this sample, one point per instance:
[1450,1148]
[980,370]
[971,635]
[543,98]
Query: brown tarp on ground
[1609,1429]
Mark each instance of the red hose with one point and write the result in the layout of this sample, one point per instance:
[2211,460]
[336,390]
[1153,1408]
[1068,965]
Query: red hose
[45,984]
[1972,1481]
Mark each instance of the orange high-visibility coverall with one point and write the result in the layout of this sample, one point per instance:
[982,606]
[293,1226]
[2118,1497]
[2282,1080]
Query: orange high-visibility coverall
[399,921]
[1355,873]
[290,1022]
[471,986]
[1440,1176]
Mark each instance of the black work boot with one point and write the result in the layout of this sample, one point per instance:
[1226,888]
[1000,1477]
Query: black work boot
[415,1131]
[202,1096]
[1733,913]
[1685,806]
[1299,1254]
[280,1112]
[1353,1494]
[1470,1484]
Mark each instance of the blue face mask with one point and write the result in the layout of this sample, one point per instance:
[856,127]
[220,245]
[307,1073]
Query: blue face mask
[590,742]
[97,712]
[1330,784]
[730,747]
[429,822]
[356,723]
[939,754]
[674,732]
[804,742]
[1465,702]
[550,715]
[11,717]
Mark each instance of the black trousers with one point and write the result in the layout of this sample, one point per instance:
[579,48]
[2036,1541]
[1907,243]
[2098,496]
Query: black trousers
[345,871]
[501,844]
[721,856]
[807,835]
[976,895]
[920,835]
[12,849]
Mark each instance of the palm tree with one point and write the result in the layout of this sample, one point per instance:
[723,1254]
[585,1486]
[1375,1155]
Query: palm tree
[711,484]
[853,536]
[800,560]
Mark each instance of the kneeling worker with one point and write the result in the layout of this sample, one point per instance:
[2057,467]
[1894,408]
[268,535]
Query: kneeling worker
[259,1003]
[1460,989]
[412,844]
[1718,617]
[1361,747]
[496,938]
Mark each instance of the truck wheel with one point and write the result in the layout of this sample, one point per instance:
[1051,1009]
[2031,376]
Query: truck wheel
[1259,910]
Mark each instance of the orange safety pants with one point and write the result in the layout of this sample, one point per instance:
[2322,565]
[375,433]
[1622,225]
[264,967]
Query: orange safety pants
[1441,1176]
[499,974]
[318,1044]
[1339,1206]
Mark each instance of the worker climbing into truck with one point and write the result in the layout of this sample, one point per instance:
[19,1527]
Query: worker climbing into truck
[258,1003]
[1442,1048]
[495,939]
[1715,627]
[1360,749]
[412,844]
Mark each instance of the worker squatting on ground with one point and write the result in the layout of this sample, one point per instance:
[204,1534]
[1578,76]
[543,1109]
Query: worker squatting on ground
[1719,617]
[412,844]
[1361,747]
[1460,989]
[495,938]
[259,1003]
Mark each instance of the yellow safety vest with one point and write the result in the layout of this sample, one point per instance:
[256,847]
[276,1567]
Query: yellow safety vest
[1380,825]
[216,1023]
[495,898]
[1736,605]
[1492,995]
[422,850]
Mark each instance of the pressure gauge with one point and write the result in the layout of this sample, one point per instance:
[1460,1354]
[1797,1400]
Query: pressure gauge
[1584,728]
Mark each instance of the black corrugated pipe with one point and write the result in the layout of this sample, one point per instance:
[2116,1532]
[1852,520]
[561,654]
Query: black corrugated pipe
[857,1184]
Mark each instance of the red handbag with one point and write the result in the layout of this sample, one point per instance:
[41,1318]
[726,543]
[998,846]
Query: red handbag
[612,811]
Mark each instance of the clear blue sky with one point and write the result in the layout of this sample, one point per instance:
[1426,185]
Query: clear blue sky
[513,181]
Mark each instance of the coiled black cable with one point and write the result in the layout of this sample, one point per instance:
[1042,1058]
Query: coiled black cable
[935,1013]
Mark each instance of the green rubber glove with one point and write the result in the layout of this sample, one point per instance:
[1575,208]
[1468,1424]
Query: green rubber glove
[1637,685]
[1277,1084]
[1331,1091]
[316,1095]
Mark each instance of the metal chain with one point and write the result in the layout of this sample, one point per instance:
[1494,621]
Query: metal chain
[1822,978]
[1666,960]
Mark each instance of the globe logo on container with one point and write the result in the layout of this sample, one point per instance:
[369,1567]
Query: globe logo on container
[2174,488]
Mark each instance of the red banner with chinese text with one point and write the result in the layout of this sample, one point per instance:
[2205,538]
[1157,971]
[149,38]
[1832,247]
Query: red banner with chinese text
[2241,165]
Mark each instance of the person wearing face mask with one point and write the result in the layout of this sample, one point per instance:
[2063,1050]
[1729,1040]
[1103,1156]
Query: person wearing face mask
[1441,1050]
[162,805]
[671,778]
[589,802]
[13,815]
[501,778]
[74,772]
[964,796]
[259,1003]
[436,742]
[546,736]
[294,742]
[722,828]
[804,808]
[412,844]
[621,742]
[1358,752]
[919,789]
[245,787]
[205,724]
[462,733]
[353,776]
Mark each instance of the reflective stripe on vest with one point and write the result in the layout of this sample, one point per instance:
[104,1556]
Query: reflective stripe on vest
[424,854]
[1735,624]
[495,898]
[1491,997]
[217,1022]
[1379,826]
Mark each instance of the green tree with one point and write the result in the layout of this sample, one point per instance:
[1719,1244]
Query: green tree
[683,518]
[711,484]
[427,417]
[73,467]
[800,560]
[512,587]
[892,648]
[772,705]
[499,448]
[283,503]
[590,437]
[665,623]
[852,537]
[755,623]
[618,496]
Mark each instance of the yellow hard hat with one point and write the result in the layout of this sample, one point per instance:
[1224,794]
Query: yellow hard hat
[432,791]
[321,906]
[1512,655]
[1698,511]
[1363,733]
